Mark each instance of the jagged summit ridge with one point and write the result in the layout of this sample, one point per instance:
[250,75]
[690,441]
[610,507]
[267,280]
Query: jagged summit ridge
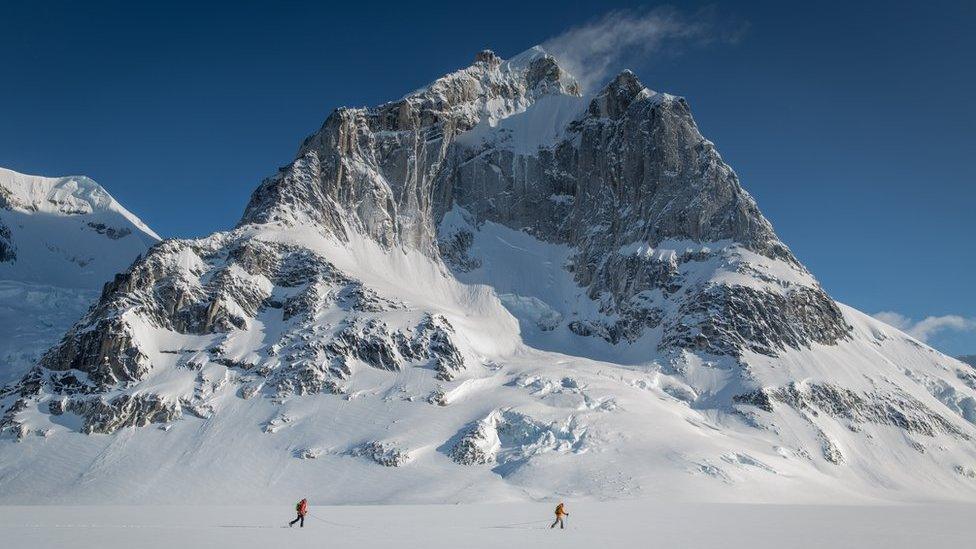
[373,170]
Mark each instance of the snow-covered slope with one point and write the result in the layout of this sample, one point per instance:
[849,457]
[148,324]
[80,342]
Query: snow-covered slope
[61,239]
[494,288]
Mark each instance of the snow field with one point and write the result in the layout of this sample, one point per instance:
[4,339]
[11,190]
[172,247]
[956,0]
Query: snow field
[630,524]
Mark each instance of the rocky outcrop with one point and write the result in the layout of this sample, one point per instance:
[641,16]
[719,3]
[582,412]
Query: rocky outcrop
[104,350]
[386,454]
[9,422]
[476,446]
[7,250]
[111,232]
[506,436]
[220,285]
[453,249]
[893,408]
[727,320]
[107,416]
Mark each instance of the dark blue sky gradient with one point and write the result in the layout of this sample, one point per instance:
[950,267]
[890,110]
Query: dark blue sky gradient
[852,123]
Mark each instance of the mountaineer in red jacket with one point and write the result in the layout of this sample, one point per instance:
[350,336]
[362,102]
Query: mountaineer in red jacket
[302,508]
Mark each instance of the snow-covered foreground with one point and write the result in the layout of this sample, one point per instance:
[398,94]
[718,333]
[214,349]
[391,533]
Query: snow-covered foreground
[591,524]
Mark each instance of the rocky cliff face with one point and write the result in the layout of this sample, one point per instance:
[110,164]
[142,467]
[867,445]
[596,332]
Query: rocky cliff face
[373,170]
[630,172]
[451,249]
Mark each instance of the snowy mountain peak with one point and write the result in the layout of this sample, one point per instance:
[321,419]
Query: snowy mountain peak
[72,195]
[65,231]
[614,99]
[530,74]
[490,288]
[488,57]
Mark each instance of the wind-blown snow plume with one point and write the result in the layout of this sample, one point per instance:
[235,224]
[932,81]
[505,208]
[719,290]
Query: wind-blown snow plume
[592,51]
[928,326]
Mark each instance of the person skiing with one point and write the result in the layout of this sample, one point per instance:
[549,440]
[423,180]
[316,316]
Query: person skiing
[301,507]
[560,513]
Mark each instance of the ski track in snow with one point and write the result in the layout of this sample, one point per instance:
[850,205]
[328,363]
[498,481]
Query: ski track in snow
[635,524]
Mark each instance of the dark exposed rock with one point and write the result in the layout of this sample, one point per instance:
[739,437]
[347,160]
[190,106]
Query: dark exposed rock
[831,452]
[967,472]
[105,351]
[471,448]
[636,170]
[110,232]
[6,198]
[356,297]
[433,342]
[383,453]
[7,251]
[759,398]
[9,422]
[107,416]
[370,342]
[487,56]
[725,320]
[893,408]
[398,150]
[454,250]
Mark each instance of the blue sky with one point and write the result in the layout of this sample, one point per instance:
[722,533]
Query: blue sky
[851,123]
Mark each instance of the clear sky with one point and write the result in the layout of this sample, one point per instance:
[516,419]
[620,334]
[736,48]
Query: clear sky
[852,123]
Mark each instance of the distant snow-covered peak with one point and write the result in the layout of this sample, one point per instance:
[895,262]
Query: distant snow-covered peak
[70,195]
[65,231]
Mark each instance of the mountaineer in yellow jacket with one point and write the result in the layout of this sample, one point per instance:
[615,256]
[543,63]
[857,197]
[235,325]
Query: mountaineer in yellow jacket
[560,513]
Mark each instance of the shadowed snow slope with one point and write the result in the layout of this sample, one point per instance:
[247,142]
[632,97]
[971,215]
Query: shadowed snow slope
[492,289]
